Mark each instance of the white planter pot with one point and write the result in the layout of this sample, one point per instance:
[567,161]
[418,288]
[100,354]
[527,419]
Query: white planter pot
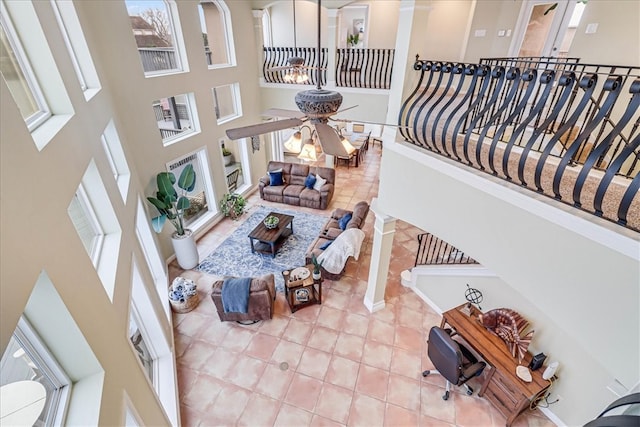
[185,250]
[316,276]
[229,160]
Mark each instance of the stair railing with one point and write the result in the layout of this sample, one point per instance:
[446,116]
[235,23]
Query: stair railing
[435,251]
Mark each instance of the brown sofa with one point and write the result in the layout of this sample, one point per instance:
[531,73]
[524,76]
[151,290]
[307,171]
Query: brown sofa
[293,192]
[262,294]
[332,229]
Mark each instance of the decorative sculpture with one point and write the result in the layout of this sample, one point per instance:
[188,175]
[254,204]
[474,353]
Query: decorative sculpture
[508,325]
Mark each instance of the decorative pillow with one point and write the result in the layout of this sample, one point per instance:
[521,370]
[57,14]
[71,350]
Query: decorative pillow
[325,245]
[342,222]
[310,181]
[275,177]
[320,181]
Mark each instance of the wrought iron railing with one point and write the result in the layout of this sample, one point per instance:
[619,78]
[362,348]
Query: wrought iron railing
[434,251]
[279,56]
[364,68]
[563,129]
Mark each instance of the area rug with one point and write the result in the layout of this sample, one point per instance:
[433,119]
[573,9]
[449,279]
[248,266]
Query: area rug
[234,258]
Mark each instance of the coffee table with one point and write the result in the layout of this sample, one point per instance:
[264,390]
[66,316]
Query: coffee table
[269,240]
[301,291]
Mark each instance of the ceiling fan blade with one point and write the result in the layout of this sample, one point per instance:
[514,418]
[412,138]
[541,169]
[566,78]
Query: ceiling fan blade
[259,129]
[280,68]
[330,141]
[281,112]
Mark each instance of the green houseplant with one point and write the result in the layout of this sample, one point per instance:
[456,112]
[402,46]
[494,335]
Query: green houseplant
[316,266]
[171,206]
[232,205]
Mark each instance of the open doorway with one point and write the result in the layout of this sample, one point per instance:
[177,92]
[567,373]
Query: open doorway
[546,28]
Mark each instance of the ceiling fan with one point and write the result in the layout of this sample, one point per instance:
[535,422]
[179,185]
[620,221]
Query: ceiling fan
[316,105]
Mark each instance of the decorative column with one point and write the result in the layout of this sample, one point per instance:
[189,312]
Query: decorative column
[258,31]
[332,44]
[383,231]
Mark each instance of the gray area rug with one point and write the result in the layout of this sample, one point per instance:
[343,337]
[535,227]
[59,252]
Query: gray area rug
[234,258]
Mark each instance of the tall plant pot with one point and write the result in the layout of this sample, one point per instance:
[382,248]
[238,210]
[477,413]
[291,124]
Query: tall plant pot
[185,249]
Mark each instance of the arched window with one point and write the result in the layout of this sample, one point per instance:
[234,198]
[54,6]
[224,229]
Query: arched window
[217,33]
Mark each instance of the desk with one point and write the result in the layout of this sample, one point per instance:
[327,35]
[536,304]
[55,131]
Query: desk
[501,386]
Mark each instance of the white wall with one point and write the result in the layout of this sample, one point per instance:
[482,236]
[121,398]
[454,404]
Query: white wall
[37,186]
[581,272]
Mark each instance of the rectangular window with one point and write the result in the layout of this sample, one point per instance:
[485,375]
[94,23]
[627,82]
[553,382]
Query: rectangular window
[139,343]
[199,196]
[86,223]
[227,102]
[156,30]
[77,47]
[116,158]
[174,117]
[17,72]
[33,378]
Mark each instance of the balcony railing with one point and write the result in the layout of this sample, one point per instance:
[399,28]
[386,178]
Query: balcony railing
[357,68]
[158,58]
[560,128]
[364,68]
[435,251]
[279,56]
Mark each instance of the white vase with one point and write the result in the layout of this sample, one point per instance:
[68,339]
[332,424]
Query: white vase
[185,249]
[316,276]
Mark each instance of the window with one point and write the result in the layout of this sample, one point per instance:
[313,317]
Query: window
[31,72]
[139,342]
[174,117]
[201,194]
[217,35]
[35,378]
[95,221]
[150,344]
[19,75]
[227,102]
[77,47]
[86,223]
[116,158]
[158,36]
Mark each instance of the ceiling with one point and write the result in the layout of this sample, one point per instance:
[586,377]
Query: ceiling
[328,4]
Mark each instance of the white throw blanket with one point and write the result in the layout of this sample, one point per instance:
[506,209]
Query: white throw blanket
[347,244]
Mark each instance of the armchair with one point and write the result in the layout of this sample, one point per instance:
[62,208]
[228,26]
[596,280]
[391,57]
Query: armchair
[452,360]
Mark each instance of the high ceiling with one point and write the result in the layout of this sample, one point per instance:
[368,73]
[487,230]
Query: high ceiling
[328,4]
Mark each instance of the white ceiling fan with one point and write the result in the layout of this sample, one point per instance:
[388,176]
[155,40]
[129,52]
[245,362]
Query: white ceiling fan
[316,105]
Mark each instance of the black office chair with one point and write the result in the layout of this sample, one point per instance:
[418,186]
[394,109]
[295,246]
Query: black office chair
[452,360]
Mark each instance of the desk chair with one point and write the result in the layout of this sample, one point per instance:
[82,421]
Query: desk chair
[452,360]
[232,180]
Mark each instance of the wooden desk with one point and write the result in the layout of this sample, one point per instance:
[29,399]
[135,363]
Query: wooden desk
[501,386]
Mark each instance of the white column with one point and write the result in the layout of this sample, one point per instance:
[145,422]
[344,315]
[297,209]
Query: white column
[332,44]
[383,231]
[257,25]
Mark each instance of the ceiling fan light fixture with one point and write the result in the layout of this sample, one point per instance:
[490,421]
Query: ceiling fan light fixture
[318,104]
[347,145]
[308,152]
[294,144]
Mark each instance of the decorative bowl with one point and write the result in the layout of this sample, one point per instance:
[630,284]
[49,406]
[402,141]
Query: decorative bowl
[271,222]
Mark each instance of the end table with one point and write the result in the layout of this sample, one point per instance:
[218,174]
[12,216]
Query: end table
[302,293]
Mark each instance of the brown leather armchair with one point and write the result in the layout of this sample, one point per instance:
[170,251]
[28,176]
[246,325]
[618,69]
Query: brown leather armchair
[262,294]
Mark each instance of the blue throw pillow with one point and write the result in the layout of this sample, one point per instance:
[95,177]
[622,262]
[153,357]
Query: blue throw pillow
[326,244]
[342,222]
[275,177]
[311,179]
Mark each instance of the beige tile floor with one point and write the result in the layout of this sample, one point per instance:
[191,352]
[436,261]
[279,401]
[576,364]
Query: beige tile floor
[345,366]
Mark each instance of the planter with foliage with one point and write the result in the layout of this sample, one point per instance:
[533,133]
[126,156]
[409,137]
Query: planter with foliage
[171,206]
[228,157]
[232,205]
[316,267]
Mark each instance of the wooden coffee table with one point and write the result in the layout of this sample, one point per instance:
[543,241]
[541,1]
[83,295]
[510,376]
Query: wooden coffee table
[267,240]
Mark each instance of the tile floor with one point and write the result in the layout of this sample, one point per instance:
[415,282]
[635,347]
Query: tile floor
[333,364]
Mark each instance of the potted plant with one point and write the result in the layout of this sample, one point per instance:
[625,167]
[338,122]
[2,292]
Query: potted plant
[316,267]
[232,205]
[353,39]
[228,157]
[172,206]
